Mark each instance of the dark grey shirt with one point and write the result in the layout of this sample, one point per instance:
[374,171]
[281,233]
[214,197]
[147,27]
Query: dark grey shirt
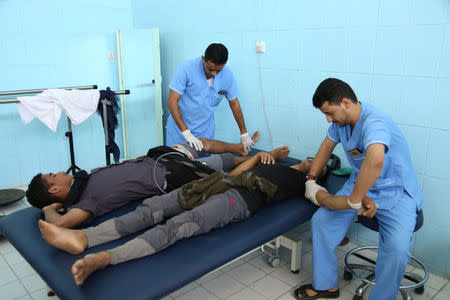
[118,184]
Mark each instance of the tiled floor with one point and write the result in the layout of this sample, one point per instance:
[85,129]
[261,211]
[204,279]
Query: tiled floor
[249,278]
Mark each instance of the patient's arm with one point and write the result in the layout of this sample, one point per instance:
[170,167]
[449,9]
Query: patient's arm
[333,202]
[217,147]
[262,157]
[72,218]
[330,201]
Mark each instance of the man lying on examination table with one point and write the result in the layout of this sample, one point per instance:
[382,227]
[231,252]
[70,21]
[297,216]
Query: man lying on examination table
[87,196]
[195,208]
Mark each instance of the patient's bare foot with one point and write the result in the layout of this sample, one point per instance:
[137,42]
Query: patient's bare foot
[82,268]
[255,138]
[69,240]
[279,153]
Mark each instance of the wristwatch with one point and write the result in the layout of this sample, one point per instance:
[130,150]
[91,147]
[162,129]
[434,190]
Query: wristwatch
[309,176]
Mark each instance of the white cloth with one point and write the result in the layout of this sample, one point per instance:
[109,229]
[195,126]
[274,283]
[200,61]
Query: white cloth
[46,106]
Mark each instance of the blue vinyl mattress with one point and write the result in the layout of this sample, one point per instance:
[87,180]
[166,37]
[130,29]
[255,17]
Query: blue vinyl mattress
[157,275]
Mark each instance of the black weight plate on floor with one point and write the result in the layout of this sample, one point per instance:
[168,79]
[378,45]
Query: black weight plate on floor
[8,196]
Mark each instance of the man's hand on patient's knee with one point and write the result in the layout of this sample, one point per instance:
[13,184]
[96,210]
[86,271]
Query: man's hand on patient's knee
[192,140]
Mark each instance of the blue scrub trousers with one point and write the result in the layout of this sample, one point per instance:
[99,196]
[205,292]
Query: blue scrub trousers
[396,228]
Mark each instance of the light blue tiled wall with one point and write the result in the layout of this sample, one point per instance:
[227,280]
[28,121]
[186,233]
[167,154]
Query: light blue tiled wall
[395,54]
[47,44]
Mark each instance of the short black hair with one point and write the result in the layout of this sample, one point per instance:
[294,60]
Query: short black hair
[322,177]
[333,90]
[37,193]
[334,163]
[216,53]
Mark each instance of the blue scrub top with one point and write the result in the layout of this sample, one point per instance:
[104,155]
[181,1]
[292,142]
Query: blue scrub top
[398,175]
[198,101]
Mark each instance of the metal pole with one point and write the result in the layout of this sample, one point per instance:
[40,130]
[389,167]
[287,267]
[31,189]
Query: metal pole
[105,127]
[123,107]
[4,101]
[35,91]
[122,92]
[73,167]
[14,100]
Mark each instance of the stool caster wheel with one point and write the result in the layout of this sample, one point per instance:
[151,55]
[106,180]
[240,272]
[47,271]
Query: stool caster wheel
[274,261]
[295,272]
[356,297]
[348,275]
[419,290]
[50,294]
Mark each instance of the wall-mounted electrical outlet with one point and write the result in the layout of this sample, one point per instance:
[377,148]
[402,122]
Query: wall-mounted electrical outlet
[260,47]
[111,54]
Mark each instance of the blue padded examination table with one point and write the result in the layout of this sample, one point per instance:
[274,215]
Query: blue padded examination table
[157,275]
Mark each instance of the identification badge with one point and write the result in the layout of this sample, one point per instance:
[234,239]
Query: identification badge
[354,152]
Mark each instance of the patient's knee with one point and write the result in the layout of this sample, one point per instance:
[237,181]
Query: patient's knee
[187,230]
[143,217]
[184,225]
[206,144]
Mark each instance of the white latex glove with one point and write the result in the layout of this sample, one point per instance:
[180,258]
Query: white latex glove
[246,140]
[192,140]
[311,188]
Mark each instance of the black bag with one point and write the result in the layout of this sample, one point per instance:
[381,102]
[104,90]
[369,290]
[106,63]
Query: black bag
[180,169]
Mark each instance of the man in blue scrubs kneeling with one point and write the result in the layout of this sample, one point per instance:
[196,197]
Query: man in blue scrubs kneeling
[196,90]
[378,152]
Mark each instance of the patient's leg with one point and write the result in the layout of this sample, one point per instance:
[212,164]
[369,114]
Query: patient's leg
[218,210]
[217,147]
[82,268]
[150,212]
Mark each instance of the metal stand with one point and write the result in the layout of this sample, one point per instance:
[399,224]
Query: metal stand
[73,167]
[105,127]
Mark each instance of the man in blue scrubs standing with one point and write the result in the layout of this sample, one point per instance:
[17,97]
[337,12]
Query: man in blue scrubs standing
[383,171]
[196,90]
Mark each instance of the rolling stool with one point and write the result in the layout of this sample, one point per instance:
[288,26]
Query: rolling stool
[349,271]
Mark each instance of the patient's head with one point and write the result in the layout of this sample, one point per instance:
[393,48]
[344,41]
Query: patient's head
[305,165]
[49,188]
